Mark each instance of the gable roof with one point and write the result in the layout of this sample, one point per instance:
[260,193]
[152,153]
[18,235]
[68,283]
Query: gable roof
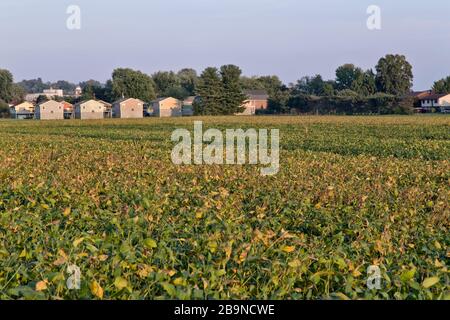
[89,101]
[164,98]
[257,94]
[126,99]
[419,94]
[51,103]
[434,96]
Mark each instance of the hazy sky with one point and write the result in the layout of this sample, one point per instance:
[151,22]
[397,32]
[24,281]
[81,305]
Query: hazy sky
[289,38]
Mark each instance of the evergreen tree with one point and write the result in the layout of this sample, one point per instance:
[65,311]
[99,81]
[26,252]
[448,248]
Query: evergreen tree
[209,89]
[233,96]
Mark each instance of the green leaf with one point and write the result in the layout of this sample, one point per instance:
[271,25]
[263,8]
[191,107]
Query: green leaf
[169,288]
[150,243]
[408,275]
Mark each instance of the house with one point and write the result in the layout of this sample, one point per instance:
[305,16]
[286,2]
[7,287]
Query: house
[48,93]
[433,101]
[108,108]
[24,110]
[128,108]
[78,92]
[187,108]
[257,100]
[418,94]
[90,109]
[166,107]
[50,110]
[68,110]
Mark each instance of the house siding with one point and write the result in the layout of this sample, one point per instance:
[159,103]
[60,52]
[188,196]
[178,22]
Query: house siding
[169,107]
[89,110]
[129,109]
[50,110]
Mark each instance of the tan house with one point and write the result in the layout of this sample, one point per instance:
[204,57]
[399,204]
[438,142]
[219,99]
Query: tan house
[188,108]
[436,101]
[108,108]
[257,100]
[50,110]
[24,110]
[166,107]
[128,108]
[90,109]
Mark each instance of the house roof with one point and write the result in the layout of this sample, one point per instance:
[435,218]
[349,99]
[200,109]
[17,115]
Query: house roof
[257,94]
[190,99]
[67,105]
[162,99]
[126,99]
[23,105]
[92,100]
[434,96]
[419,94]
[50,103]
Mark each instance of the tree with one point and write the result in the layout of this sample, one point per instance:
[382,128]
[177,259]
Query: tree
[279,100]
[209,89]
[313,86]
[34,85]
[442,86]
[365,84]
[394,75]
[66,86]
[177,92]
[132,84]
[188,80]
[165,80]
[93,89]
[4,109]
[346,75]
[6,85]
[233,96]
[41,99]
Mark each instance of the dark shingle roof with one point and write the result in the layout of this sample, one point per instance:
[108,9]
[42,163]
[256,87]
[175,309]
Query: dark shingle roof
[257,94]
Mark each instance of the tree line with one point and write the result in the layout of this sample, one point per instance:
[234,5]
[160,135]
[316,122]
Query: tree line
[220,91]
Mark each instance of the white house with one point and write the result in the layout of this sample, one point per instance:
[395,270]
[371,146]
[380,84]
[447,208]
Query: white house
[49,93]
[50,110]
[166,107]
[90,109]
[438,101]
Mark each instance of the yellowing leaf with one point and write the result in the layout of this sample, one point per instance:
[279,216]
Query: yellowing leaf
[120,283]
[67,212]
[103,257]
[96,289]
[199,215]
[77,242]
[41,285]
[288,249]
[179,282]
[429,282]
[294,263]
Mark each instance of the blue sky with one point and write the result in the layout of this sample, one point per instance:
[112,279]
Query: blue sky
[289,38]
